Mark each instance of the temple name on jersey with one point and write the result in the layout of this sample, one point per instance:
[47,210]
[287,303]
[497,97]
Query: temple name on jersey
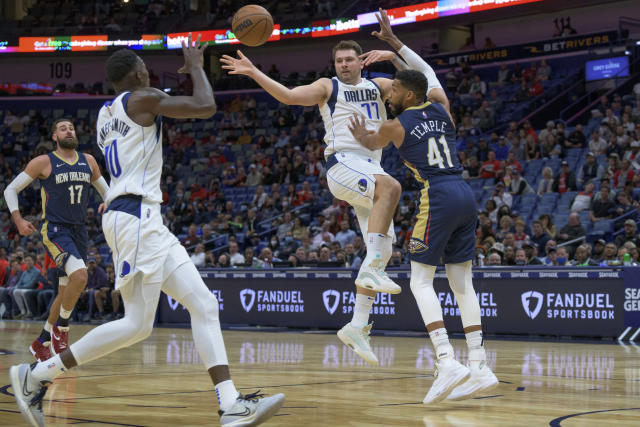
[428,126]
[115,125]
[73,176]
[361,95]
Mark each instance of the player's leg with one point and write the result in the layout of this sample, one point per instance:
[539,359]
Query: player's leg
[140,299]
[355,180]
[449,373]
[436,220]
[41,347]
[355,334]
[115,302]
[458,254]
[184,284]
[380,235]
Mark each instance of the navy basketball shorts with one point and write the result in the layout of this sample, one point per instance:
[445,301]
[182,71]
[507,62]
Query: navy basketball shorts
[63,240]
[446,223]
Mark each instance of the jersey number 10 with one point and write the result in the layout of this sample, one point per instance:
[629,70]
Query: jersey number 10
[111,158]
[434,157]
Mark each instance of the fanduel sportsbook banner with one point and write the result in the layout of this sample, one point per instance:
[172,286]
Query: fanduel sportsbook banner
[577,303]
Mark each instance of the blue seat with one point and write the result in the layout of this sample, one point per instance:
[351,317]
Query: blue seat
[603,226]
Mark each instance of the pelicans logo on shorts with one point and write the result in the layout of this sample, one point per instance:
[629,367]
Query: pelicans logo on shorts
[61,259]
[416,246]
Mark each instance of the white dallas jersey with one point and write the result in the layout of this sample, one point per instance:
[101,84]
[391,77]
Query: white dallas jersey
[133,153]
[364,99]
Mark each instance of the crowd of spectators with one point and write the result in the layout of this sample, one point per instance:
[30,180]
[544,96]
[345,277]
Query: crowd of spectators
[241,198]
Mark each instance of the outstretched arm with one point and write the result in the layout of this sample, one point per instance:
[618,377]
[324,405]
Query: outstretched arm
[435,93]
[389,131]
[314,94]
[145,104]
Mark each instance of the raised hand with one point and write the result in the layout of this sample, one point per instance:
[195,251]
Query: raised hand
[385,32]
[374,56]
[193,54]
[240,65]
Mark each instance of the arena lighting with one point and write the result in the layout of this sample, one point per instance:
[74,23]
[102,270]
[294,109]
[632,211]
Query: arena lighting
[326,28]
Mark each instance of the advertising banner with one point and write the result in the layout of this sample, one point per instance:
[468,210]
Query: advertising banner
[523,304]
[632,297]
[527,50]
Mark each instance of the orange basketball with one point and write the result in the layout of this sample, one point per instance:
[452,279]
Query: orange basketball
[252,25]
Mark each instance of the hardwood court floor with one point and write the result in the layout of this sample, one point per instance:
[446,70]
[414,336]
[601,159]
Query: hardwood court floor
[160,382]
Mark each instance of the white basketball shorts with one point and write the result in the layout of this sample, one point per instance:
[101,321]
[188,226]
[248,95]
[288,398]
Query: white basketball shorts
[139,240]
[350,177]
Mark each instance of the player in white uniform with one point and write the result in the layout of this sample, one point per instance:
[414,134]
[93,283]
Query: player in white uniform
[354,173]
[147,257]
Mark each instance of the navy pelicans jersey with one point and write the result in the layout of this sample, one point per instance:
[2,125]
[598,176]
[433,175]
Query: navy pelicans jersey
[429,146]
[364,99]
[65,191]
[444,231]
[133,153]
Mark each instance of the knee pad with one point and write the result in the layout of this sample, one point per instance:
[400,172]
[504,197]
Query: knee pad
[421,276]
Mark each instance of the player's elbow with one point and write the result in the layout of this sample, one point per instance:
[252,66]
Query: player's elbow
[207,110]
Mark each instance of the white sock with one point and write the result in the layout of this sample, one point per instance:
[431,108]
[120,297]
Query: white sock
[48,326]
[477,354]
[361,310]
[440,340]
[48,370]
[378,248]
[227,394]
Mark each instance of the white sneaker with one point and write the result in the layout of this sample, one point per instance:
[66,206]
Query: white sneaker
[449,374]
[358,340]
[373,277]
[480,381]
[28,396]
[251,410]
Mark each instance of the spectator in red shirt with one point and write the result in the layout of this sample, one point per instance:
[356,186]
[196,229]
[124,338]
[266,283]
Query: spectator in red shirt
[303,196]
[530,73]
[536,88]
[4,265]
[198,192]
[511,161]
[490,168]
[565,180]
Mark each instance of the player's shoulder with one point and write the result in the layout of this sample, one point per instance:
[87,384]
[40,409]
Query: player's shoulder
[42,159]
[146,93]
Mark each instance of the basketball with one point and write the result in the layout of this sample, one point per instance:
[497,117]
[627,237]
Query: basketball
[252,25]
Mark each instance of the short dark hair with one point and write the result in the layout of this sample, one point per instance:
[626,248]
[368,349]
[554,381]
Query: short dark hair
[346,45]
[56,122]
[119,64]
[415,81]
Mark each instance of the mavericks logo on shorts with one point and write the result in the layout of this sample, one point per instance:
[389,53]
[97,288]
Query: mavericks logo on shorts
[416,246]
[362,185]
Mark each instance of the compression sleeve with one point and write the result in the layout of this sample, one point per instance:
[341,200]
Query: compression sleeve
[11,192]
[101,185]
[417,63]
